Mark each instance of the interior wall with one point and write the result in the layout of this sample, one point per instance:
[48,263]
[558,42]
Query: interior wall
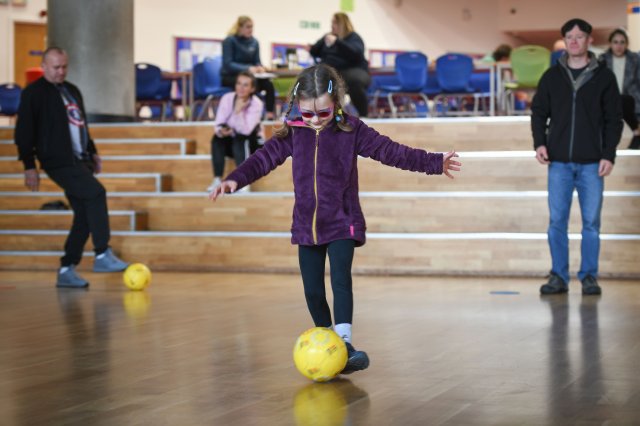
[9,14]
[431,26]
[518,15]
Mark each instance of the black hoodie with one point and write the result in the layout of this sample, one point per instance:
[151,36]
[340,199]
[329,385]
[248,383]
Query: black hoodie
[578,120]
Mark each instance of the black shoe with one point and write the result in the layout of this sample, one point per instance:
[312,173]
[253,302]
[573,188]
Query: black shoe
[555,285]
[635,142]
[357,360]
[590,286]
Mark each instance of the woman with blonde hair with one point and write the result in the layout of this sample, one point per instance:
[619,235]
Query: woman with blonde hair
[343,49]
[241,52]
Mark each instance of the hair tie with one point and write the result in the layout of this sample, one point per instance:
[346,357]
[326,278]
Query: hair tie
[330,89]
[339,115]
[295,89]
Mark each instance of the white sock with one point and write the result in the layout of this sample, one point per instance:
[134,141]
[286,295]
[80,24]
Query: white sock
[344,331]
[64,269]
[101,255]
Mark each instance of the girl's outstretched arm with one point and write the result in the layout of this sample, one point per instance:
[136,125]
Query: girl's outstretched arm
[449,164]
[224,187]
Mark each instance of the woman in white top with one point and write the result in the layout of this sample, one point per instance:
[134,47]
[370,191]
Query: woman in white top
[626,66]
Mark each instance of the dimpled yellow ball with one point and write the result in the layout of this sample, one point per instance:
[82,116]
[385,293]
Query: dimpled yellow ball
[320,354]
[137,276]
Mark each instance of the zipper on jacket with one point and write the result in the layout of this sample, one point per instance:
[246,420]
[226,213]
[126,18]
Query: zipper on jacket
[573,124]
[315,188]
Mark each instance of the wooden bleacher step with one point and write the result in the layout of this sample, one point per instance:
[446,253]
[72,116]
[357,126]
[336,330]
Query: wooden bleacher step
[116,182]
[435,134]
[500,171]
[126,146]
[494,254]
[386,212]
[146,146]
[490,220]
[119,220]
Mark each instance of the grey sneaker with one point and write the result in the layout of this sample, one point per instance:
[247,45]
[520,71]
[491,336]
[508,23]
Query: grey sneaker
[555,285]
[71,279]
[109,263]
[590,286]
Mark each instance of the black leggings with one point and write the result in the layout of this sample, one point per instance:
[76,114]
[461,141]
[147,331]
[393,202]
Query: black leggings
[629,111]
[357,81]
[88,199]
[312,267]
[238,146]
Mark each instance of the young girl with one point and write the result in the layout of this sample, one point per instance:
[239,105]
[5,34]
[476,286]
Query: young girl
[327,219]
[237,122]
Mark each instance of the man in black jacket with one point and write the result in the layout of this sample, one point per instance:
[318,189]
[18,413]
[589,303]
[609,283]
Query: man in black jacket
[576,123]
[52,127]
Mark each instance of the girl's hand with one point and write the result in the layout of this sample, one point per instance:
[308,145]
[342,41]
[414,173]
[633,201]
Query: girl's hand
[449,164]
[226,186]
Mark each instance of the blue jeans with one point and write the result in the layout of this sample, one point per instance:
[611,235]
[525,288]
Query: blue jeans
[563,179]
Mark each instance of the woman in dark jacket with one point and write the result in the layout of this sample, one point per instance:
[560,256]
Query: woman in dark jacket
[626,66]
[343,49]
[241,52]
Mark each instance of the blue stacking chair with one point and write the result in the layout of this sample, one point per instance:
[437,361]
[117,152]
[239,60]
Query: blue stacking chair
[9,99]
[378,105]
[411,71]
[164,95]
[453,72]
[481,84]
[207,86]
[150,89]
[432,87]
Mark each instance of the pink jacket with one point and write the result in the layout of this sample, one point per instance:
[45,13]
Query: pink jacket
[242,123]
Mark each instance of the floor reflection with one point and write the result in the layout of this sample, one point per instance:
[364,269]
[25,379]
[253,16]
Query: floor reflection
[575,382]
[335,403]
[136,304]
[80,373]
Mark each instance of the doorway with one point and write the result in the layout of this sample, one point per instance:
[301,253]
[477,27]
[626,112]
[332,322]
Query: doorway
[29,42]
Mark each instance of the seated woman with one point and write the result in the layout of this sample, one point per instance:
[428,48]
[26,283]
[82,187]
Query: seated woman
[626,66]
[236,125]
[343,49]
[241,52]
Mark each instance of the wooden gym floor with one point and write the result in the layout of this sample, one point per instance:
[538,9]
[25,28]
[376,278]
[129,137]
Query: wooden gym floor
[444,351]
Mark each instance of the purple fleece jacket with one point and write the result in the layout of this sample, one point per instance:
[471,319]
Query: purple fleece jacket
[325,176]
